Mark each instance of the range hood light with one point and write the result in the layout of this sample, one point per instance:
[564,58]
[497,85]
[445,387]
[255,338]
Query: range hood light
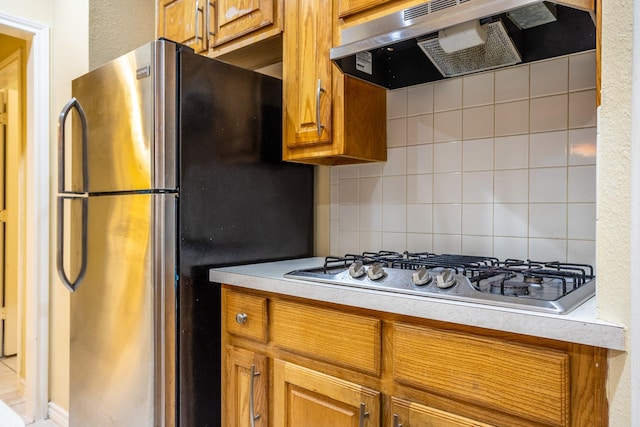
[462,36]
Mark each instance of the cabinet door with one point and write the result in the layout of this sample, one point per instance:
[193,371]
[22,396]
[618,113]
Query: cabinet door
[235,18]
[246,383]
[183,21]
[409,414]
[306,398]
[306,72]
[350,7]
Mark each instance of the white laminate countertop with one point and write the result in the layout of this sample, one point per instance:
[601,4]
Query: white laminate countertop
[579,326]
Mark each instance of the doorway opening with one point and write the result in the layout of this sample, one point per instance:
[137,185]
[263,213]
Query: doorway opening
[31,216]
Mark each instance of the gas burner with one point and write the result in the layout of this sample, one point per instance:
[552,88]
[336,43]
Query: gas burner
[542,286]
[532,280]
[510,287]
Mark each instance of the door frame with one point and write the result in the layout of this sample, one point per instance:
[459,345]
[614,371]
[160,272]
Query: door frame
[35,219]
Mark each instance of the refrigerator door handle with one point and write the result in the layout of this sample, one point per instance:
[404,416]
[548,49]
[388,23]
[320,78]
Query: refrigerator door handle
[72,286]
[63,194]
[73,103]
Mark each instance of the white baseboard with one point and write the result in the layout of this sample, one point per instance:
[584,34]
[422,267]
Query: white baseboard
[58,415]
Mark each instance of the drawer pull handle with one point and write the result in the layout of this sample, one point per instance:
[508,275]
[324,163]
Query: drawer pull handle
[396,421]
[242,318]
[363,414]
[252,416]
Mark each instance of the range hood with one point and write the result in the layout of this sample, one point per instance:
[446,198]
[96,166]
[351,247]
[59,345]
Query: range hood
[448,38]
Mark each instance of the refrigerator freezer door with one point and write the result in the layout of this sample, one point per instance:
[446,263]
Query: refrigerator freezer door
[130,108]
[122,316]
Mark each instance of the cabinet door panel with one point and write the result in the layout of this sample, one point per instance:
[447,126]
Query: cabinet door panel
[247,382]
[306,398]
[410,414]
[307,72]
[236,18]
[178,20]
[350,7]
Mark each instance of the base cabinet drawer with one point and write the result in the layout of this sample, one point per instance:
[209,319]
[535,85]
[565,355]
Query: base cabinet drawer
[246,315]
[344,339]
[484,371]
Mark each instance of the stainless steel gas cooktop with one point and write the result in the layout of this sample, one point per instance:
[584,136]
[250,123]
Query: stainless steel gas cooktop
[552,287]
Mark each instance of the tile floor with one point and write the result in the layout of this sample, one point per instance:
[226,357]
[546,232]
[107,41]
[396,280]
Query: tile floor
[12,404]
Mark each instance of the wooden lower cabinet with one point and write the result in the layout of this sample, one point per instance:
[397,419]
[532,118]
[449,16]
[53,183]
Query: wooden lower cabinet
[300,363]
[410,414]
[306,398]
[246,388]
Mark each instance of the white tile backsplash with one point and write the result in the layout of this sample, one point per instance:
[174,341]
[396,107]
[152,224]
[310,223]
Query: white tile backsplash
[549,77]
[500,163]
[477,154]
[512,84]
[477,122]
[420,100]
[477,89]
[548,185]
[581,113]
[582,71]
[548,149]
[548,113]
[447,95]
[420,159]
[512,118]
[447,126]
[447,157]
[420,188]
[420,129]
[397,103]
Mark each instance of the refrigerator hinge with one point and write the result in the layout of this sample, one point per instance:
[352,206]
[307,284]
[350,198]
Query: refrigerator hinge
[3,118]
[3,215]
[3,313]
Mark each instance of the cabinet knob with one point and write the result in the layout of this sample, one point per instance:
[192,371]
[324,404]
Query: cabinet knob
[242,318]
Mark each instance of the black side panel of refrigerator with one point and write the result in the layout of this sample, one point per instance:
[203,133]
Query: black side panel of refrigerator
[238,203]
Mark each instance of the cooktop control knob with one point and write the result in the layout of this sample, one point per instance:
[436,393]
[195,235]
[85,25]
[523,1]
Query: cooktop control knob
[421,277]
[376,272]
[356,269]
[445,279]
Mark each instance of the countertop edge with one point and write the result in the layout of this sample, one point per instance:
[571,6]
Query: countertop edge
[580,326]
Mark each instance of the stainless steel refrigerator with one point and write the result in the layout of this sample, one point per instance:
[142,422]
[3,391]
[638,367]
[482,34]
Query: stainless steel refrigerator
[172,167]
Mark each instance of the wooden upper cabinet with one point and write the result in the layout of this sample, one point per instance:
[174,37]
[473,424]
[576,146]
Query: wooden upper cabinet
[349,7]
[247,33]
[329,118]
[236,18]
[307,73]
[183,21]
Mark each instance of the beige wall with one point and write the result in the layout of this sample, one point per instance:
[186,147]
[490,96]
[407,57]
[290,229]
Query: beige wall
[117,27]
[614,195]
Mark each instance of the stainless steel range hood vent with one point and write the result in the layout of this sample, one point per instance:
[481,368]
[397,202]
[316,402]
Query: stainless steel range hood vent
[496,51]
[400,49]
